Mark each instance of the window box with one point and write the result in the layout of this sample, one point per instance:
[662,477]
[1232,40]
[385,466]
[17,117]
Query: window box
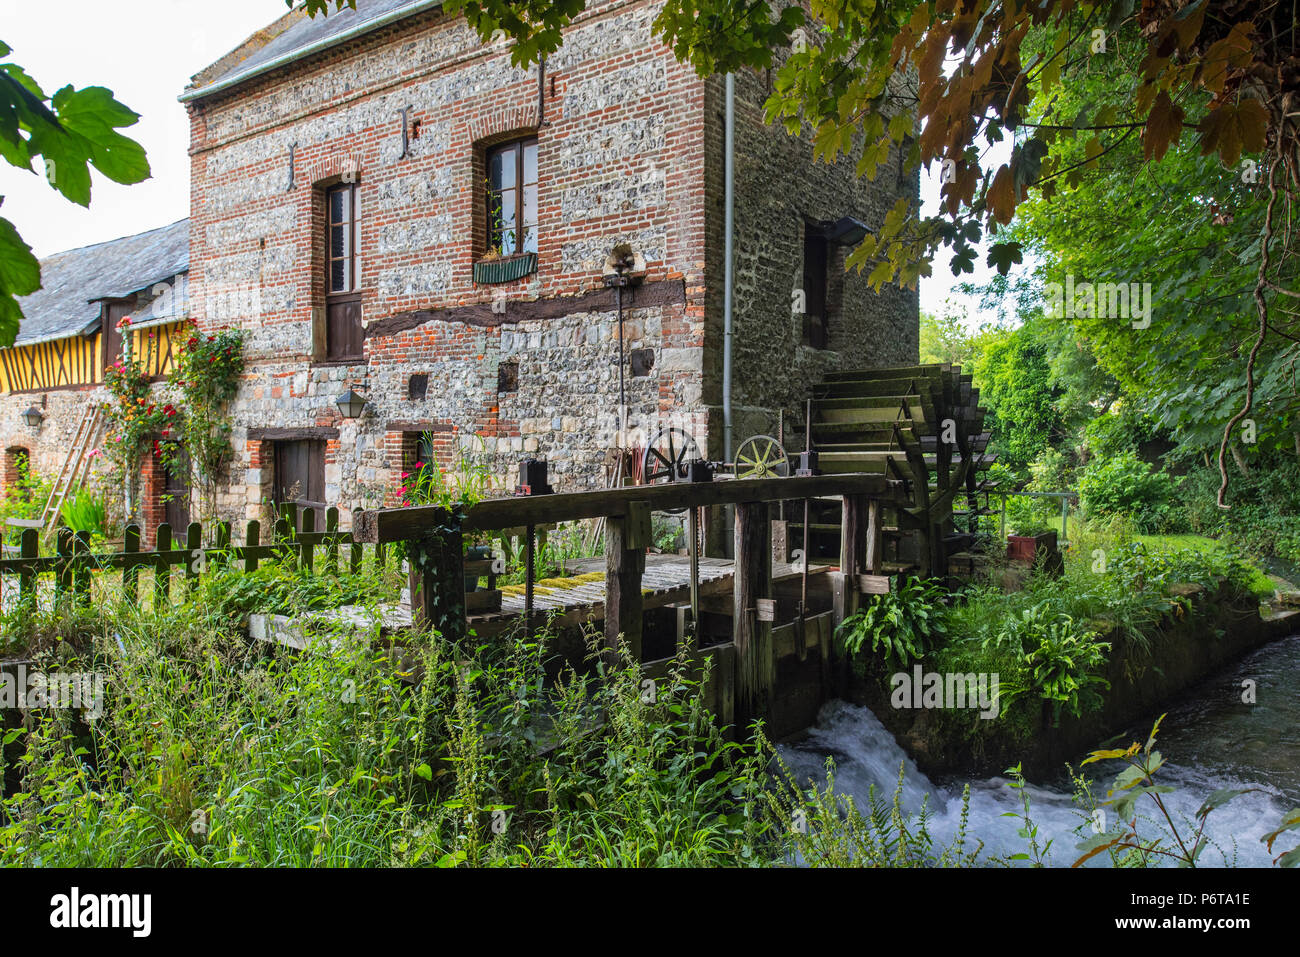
[508,269]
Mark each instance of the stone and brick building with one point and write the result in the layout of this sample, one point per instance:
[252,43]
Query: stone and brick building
[385,204]
[95,303]
[346,172]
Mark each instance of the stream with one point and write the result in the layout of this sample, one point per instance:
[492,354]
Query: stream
[1210,739]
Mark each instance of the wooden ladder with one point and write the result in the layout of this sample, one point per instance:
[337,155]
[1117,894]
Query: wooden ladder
[73,465]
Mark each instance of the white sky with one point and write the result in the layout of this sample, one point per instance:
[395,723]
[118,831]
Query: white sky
[145,51]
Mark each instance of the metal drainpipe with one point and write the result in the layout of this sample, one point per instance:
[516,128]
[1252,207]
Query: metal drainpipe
[728,270]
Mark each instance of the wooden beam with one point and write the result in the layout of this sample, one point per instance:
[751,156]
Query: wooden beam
[258,434]
[406,524]
[624,566]
[663,292]
[752,581]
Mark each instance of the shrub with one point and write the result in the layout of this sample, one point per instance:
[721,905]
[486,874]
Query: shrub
[1124,484]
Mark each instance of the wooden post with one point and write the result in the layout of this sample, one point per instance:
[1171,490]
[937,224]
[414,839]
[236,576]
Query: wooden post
[252,541]
[875,539]
[781,539]
[332,542]
[162,569]
[81,566]
[63,569]
[223,542]
[436,576]
[29,547]
[852,548]
[195,559]
[282,536]
[626,538]
[355,550]
[306,544]
[752,582]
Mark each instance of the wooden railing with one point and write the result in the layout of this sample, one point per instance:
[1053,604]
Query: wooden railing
[293,538]
[435,545]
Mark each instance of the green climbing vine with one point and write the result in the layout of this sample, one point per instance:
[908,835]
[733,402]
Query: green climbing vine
[206,376]
[132,417]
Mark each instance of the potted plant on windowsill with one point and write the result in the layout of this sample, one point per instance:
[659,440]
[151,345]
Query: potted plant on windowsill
[495,268]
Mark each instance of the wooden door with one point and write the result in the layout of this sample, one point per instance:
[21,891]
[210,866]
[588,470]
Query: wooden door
[176,488]
[300,475]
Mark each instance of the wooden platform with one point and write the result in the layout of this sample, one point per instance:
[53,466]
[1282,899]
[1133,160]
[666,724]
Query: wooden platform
[580,597]
[571,601]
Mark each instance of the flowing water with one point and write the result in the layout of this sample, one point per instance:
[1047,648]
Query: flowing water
[1211,739]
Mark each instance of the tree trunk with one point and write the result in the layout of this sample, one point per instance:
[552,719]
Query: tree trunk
[1240,459]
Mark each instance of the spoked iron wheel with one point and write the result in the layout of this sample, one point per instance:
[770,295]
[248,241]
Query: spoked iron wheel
[761,456]
[665,459]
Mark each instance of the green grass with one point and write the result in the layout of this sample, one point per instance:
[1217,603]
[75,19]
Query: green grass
[214,751]
[1217,550]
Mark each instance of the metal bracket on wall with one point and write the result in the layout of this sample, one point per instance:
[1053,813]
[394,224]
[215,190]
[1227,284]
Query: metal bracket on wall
[406,133]
[293,148]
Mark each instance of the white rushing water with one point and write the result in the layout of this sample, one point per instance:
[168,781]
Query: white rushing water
[1211,739]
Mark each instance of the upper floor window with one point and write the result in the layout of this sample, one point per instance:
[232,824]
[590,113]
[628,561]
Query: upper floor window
[342,272]
[816,283]
[512,197]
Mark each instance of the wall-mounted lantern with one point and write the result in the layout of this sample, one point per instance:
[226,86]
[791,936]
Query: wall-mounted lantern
[33,417]
[351,403]
[846,231]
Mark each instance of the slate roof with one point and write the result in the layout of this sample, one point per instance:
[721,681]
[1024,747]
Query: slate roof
[295,35]
[73,281]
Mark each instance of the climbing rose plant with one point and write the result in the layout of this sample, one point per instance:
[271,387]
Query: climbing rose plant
[206,376]
[133,418]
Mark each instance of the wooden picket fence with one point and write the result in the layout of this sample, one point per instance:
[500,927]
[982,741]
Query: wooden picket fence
[294,539]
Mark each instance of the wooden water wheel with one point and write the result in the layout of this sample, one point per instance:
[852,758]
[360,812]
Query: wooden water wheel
[921,426]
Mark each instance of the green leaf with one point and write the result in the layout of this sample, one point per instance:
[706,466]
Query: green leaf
[20,275]
[1220,798]
[1004,255]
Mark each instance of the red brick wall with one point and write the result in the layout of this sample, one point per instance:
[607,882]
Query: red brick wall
[620,159]
[153,512]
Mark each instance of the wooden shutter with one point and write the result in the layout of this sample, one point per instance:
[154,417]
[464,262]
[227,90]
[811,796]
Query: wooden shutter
[343,339]
[111,335]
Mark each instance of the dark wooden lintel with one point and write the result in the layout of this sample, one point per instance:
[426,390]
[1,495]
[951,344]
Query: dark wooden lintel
[661,292]
[413,426]
[288,435]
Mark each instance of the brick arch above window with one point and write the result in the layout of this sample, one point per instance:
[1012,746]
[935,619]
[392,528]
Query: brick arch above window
[16,465]
[330,170]
[501,125]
